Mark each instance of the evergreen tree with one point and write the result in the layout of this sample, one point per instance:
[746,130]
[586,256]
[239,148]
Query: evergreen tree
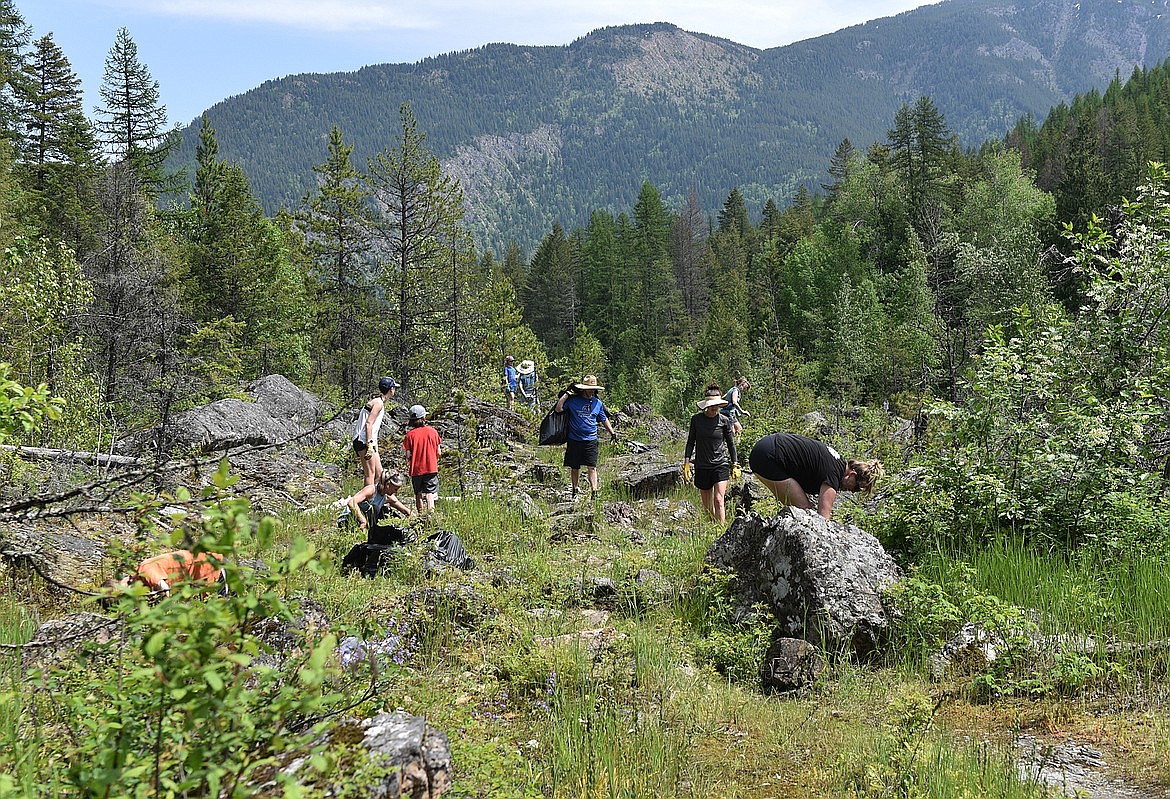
[58,151]
[335,220]
[239,268]
[659,308]
[132,122]
[15,35]
[417,233]
[691,256]
[839,168]
[551,301]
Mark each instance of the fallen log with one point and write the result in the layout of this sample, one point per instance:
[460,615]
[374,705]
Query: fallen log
[71,456]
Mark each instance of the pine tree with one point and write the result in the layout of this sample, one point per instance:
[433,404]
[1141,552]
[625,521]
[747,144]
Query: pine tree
[418,237]
[335,220]
[58,152]
[691,256]
[839,168]
[240,269]
[15,35]
[132,122]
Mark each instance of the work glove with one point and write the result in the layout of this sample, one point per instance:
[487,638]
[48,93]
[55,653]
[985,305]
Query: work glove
[736,472]
[613,437]
[688,478]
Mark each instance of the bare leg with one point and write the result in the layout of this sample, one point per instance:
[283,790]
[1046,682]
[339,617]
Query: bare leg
[708,496]
[718,510]
[591,474]
[575,477]
[787,492]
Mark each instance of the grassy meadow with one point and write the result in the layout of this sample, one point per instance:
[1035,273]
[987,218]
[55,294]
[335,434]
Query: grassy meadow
[655,694]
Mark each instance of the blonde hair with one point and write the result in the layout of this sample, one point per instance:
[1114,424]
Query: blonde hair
[868,473]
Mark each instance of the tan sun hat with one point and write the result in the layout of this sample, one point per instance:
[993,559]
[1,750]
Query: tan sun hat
[588,382]
[526,367]
[709,399]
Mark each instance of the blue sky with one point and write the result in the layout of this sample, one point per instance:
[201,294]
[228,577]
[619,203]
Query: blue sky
[203,51]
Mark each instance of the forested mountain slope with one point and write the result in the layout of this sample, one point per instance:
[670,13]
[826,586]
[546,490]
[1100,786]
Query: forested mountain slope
[544,134]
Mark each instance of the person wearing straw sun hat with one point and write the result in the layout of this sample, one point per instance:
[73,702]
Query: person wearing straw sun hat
[526,383]
[585,411]
[711,442]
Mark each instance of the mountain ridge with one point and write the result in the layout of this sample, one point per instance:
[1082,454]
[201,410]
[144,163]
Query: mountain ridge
[543,134]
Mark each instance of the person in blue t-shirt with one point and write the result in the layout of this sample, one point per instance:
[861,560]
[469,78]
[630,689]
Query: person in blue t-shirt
[585,411]
[510,380]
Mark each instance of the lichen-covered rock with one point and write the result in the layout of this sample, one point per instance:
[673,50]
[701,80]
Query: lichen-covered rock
[403,757]
[823,581]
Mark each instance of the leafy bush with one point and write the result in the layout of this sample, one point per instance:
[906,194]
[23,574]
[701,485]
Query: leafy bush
[188,708]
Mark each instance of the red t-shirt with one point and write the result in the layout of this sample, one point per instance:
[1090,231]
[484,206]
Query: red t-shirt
[423,445]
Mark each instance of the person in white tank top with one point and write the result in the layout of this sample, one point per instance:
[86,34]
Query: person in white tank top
[365,436]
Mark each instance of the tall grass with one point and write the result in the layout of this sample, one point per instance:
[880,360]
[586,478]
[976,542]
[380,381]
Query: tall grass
[1109,611]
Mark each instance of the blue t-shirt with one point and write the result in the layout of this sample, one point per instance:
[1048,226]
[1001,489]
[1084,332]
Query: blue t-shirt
[510,377]
[584,414]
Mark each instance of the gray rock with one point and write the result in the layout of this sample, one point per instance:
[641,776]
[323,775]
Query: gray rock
[644,478]
[821,580]
[59,641]
[789,665]
[971,651]
[412,758]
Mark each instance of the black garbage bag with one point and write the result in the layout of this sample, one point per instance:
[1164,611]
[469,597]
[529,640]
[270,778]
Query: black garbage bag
[554,428]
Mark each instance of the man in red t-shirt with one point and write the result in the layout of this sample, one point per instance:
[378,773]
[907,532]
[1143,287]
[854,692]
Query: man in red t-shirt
[422,450]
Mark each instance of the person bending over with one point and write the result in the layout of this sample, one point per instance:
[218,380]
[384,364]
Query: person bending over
[796,467]
[163,572]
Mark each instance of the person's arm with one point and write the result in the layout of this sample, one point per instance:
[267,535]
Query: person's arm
[560,406]
[396,504]
[690,447]
[604,419]
[825,500]
[355,509]
[729,439]
[371,436]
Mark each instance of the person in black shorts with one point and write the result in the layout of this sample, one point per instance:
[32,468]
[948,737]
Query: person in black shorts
[711,442]
[796,467]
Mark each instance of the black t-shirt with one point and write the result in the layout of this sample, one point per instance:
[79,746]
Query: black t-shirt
[808,461]
[710,441]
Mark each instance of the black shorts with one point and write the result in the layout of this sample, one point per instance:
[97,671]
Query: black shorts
[764,464]
[706,478]
[581,453]
[360,446]
[425,484]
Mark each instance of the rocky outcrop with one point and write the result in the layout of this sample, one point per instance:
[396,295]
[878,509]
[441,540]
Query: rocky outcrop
[821,580]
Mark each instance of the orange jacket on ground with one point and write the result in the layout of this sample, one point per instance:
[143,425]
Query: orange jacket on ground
[165,570]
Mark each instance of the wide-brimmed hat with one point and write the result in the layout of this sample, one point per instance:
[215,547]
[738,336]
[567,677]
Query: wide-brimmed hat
[588,382]
[526,367]
[709,399]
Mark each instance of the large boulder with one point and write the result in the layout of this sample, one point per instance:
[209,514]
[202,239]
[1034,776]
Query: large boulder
[823,581]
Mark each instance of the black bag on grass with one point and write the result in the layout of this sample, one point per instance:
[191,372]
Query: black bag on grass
[554,428]
[447,548]
[368,559]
